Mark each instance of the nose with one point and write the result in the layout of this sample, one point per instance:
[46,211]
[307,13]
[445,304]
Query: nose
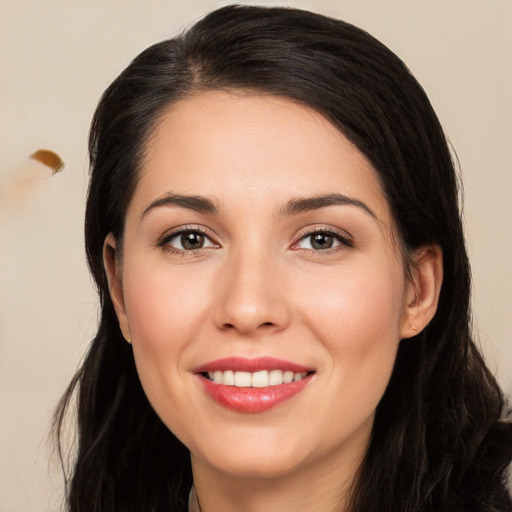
[251,296]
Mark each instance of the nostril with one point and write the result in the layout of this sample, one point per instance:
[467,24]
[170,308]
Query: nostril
[228,325]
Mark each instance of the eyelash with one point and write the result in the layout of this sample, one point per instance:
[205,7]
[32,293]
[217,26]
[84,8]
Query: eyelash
[166,239]
[344,241]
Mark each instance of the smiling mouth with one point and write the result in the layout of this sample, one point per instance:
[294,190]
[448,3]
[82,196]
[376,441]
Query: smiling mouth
[253,385]
[253,392]
[259,379]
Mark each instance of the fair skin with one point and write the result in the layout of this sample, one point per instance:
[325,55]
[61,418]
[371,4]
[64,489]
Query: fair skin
[252,270]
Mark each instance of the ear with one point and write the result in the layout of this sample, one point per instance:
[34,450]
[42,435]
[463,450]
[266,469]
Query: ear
[423,289]
[115,285]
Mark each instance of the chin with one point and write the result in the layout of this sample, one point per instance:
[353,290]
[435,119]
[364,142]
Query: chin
[260,454]
[257,466]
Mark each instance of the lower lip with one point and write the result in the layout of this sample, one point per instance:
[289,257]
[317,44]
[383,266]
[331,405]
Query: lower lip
[253,399]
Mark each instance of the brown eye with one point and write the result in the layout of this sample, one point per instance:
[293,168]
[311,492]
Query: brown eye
[321,241]
[187,240]
[192,240]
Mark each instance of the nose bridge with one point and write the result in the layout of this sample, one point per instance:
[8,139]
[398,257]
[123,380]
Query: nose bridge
[249,295]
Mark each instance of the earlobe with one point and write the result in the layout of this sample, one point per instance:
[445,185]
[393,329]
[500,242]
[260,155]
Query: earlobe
[115,285]
[423,289]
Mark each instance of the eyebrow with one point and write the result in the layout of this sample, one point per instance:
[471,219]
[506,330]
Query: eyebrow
[306,204]
[195,203]
[293,207]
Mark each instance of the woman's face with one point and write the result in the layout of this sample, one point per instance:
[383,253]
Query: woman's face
[258,249]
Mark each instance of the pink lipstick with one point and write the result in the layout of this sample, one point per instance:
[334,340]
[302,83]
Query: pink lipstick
[253,385]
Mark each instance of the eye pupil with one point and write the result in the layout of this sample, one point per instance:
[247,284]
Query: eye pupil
[192,240]
[322,241]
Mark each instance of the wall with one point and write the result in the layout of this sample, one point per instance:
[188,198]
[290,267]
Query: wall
[56,57]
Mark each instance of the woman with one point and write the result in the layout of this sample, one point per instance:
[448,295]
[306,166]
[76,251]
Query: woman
[273,226]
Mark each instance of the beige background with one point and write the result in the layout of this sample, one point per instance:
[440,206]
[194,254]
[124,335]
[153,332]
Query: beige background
[56,57]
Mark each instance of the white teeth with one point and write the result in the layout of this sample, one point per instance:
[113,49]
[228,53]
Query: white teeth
[275,377]
[228,378]
[261,379]
[242,379]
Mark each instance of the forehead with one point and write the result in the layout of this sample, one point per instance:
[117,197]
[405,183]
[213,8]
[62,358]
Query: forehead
[245,147]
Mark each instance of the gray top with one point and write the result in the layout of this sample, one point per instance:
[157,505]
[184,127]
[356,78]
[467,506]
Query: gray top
[193,503]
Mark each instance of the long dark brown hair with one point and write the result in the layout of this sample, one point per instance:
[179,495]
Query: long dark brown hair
[440,440]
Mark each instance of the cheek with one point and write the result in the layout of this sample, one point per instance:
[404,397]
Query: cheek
[358,321]
[165,314]
[162,306]
[365,304]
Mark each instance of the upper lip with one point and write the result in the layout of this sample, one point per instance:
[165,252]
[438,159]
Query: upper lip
[244,364]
